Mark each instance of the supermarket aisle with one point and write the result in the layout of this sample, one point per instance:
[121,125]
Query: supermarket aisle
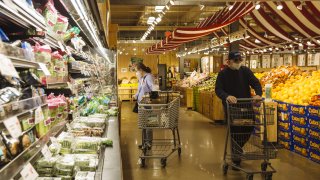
[202,150]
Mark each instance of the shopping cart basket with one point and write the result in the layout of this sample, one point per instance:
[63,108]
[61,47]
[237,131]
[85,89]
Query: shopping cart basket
[247,137]
[160,113]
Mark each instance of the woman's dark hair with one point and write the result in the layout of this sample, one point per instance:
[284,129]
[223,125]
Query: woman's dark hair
[141,66]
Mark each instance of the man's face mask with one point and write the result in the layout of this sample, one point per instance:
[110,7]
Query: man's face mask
[235,66]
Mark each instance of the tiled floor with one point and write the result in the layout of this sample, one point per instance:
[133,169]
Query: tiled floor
[202,151]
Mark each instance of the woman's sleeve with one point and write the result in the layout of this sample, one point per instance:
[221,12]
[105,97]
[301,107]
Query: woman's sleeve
[149,82]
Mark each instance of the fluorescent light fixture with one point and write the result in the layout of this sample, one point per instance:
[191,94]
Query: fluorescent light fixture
[257,41]
[201,6]
[171,2]
[159,8]
[279,6]
[158,19]
[258,6]
[167,7]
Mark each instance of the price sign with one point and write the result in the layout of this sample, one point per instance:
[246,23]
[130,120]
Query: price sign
[38,115]
[46,152]
[45,69]
[13,126]
[7,68]
[29,173]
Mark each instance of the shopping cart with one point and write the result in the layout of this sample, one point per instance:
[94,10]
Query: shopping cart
[247,137]
[160,113]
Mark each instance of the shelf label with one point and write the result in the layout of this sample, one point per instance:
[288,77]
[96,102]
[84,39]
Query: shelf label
[38,115]
[45,69]
[13,126]
[46,152]
[7,68]
[61,46]
[29,173]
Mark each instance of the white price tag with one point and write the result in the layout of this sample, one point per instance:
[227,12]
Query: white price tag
[38,115]
[13,126]
[29,173]
[7,68]
[61,46]
[45,69]
[46,152]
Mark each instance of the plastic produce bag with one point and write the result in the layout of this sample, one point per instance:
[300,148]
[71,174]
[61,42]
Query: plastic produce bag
[61,25]
[71,33]
[42,53]
[50,13]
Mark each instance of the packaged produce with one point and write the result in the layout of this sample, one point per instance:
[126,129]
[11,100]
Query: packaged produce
[27,139]
[48,178]
[107,142]
[84,175]
[113,111]
[71,33]
[4,154]
[61,25]
[47,162]
[86,162]
[27,120]
[96,131]
[55,148]
[7,95]
[13,145]
[65,165]
[86,145]
[91,121]
[46,172]
[66,140]
[42,53]
[43,127]
[28,51]
[50,13]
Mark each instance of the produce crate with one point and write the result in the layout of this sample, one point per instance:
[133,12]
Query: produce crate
[314,123]
[314,156]
[196,100]
[284,126]
[189,98]
[286,136]
[313,112]
[283,107]
[300,141]
[298,110]
[217,111]
[303,151]
[284,116]
[201,102]
[300,121]
[286,144]
[314,134]
[300,131]
[207,103]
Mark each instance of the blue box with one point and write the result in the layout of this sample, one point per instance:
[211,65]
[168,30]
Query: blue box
[298,110]
[284,126]
[314,134]
[300,131]
[287,136]
[303,151]
[314,156]
[301,141]
[298,120]
[283,107]
[313,112]
[285,144]
[314,123]
[284,116]
[314,144]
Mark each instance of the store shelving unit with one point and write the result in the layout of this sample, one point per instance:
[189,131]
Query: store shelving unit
[12,169]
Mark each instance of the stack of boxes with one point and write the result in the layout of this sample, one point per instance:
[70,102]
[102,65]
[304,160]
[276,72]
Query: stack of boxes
[299,129]
[314,133]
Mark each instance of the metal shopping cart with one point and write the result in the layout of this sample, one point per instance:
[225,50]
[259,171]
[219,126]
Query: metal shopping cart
[247,137]
[159,113]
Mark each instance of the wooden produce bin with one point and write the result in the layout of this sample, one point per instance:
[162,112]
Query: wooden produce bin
[124,93]
[189,97]
[207,103]
[201,99]
[217,111]
[272,134]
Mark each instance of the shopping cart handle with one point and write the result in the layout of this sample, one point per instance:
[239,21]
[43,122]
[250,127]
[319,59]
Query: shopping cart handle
[248,99]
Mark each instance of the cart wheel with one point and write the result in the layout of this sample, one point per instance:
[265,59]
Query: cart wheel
[268,176]
[264,166]
[179,151]
[142,162]
[163,162]
[225,168]
[249,176]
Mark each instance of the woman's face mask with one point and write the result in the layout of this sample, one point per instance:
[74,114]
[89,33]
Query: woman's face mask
[138,74]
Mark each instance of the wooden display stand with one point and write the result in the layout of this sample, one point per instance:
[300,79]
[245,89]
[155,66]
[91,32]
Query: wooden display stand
[272,134]
[126,93]
[217,112]
[189,97]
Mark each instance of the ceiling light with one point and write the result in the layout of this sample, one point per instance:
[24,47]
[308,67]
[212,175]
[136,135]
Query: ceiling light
[279,6]
[167,7]
[158,19]
[300,5]
[134,49]
[318,41]
[265,50]
[258,5]
[300,44]
[270,49]
[159,8]
[257,41]
[134,41]
[185,49]
[171,2]
[309,43]
[265,34]
[277,48]
[201,6]
[291,45]
[229,6]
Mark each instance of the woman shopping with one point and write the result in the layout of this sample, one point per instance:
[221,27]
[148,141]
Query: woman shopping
[146,85]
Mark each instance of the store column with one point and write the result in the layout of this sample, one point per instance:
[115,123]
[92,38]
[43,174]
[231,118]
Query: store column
[181,67]
[234,27]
